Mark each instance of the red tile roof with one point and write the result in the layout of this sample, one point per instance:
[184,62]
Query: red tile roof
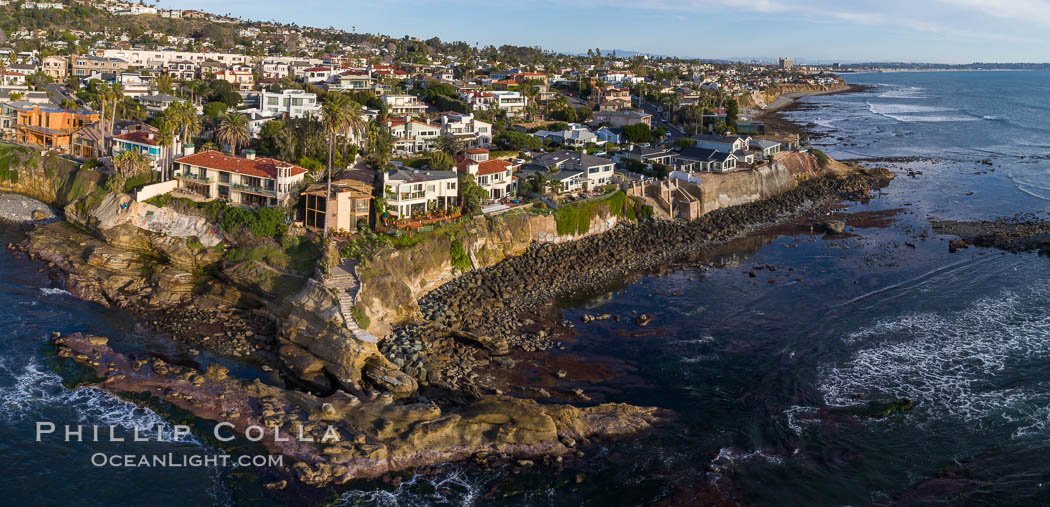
[261,167]
[493,166]
[477,151]
[139,137]
[486,167]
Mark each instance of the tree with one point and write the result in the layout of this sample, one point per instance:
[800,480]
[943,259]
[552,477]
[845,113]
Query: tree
[165,84]
[333,120]
[518,141]
[441,161]
[637,133]
[354,124]
[233,131]
[167,126]
[215,110]
[449,144]
[684,142]
[130,163]
[553,186]
[471,195]
[732,114]
[667,102]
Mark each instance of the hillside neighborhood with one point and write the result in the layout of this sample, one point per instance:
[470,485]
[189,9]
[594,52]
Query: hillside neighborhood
[208,107]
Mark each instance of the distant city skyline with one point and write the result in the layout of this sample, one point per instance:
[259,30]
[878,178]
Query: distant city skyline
[934,31]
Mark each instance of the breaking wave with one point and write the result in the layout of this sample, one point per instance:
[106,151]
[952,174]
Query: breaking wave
[904,92]
[955,367]
[36,388]
[54,292]
[894,108]
[450,488]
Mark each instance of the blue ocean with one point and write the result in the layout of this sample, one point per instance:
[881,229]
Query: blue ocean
[761,371]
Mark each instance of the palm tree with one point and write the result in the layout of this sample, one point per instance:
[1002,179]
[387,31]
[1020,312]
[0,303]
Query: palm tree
[233,130]
[166,138]
[355,125]
[668,101]
[116,94]
[188,121]
[102,94]
[129,163]
[332,119]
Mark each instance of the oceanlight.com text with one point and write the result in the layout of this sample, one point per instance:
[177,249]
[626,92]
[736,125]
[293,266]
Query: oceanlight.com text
[172,460]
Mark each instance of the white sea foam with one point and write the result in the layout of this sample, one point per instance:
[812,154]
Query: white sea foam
[911,118]
[36,388]
[729,456]
[887,108]
[792,419]
[905,92]
[956,367]
[464,491]
[53,292]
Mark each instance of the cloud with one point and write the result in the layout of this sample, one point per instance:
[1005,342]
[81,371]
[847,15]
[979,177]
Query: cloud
[1022,11]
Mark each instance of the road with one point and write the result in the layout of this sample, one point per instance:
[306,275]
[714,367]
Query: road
[673,132]
[60,94]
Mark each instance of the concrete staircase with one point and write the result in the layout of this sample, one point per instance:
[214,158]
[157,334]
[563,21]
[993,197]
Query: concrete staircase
[343,281]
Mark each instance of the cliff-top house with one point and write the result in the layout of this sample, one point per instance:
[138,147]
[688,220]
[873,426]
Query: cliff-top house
[239,180]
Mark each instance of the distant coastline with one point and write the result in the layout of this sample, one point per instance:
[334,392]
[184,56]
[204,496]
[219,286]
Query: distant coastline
[892,71]
[775,122]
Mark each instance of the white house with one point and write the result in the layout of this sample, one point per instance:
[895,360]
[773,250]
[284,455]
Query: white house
[462,126]
[495,176]
[510,101]
[404,105]
[290,103]
[409,191]
[411,136]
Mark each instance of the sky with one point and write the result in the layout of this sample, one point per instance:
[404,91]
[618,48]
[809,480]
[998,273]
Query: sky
[814,31]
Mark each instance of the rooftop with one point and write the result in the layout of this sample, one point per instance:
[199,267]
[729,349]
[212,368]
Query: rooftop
[261,167]
[147,138]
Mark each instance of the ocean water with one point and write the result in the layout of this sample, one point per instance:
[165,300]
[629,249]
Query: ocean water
[55,470]
[756,369]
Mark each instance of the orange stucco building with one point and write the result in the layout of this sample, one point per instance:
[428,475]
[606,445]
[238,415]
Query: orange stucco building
[50,127]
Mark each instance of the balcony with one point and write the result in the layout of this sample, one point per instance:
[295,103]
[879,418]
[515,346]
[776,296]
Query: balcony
[405,196]
[192,177]
[254,190]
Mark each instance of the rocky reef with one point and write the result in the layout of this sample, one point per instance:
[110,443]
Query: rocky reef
[1024,233]
[355,436]
[492,301]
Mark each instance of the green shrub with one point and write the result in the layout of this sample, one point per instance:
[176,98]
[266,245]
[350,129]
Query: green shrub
[289,242]
[359,317]
[822,158]
[194,243]
[458,254]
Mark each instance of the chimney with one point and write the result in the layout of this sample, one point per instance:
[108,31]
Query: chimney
[249,154]
[188,149]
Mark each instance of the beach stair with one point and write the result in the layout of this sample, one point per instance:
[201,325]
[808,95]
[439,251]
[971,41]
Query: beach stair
[342,280]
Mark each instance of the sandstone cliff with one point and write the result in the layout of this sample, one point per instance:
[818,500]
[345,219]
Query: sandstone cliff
[393,281]
[51,179]
[759,99]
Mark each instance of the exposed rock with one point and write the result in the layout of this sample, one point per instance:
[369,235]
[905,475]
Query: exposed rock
[366,439]
[835,226]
